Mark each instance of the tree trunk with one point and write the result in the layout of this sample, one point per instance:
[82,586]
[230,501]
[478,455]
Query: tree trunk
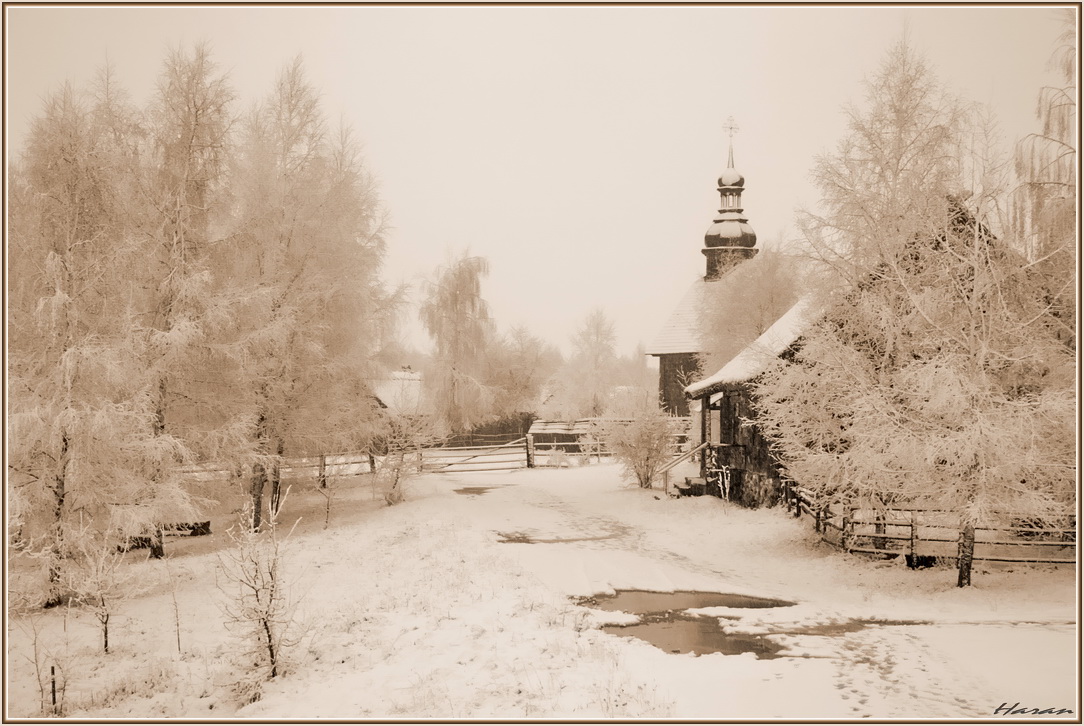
[56,547]
[259,478]
[966,555]
[276,479]
[103,618]
[158,549]
[323,471]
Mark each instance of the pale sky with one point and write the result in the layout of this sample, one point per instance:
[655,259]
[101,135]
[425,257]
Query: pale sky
[575,147]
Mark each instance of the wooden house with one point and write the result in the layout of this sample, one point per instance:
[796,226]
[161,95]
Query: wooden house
[738,464]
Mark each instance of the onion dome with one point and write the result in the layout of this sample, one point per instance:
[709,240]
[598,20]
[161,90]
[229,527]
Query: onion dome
[730,238]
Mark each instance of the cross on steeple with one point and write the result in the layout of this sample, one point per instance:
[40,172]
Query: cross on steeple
[731,128]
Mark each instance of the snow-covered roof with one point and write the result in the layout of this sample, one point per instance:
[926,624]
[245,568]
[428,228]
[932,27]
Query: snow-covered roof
[759,354]
[681,333]
[400,392]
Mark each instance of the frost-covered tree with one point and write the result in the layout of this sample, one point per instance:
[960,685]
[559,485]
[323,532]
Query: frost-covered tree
[936,376]
[304,251]
[1045,203]
[582,386]
[518,365]
[81,426]
[756,294]
[183,180]
[457,318]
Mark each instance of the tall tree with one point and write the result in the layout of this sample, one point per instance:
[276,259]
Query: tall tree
[935,378]
[457,318]
[582,387]
[518,364]
[306,247]
[183,191]
[82,453]
[1045,203]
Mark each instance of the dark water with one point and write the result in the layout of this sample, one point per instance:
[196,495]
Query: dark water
[664,624]
[524,538]
[473,490]
[678,633]
[643,602]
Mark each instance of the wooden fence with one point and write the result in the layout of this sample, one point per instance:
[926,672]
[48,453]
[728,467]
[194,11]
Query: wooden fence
[929,533]
[505,456]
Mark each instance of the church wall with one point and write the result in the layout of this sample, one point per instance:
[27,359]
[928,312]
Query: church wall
[676,370]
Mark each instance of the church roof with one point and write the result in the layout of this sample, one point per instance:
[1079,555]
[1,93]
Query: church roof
[758,355]
[681,333]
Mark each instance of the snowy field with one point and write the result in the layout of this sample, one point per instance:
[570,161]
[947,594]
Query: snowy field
[458,605]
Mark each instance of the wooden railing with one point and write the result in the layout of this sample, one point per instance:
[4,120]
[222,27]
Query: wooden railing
[922,532]
[680,459]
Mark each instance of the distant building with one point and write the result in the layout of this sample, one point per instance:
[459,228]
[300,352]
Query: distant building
[400,393]
[729,241]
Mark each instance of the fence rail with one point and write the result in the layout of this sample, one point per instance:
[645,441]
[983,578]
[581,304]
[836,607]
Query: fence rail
[928,532]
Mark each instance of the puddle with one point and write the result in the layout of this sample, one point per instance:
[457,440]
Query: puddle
[524,538]
[473,490]
[697,635]
[664,625]
[643,602]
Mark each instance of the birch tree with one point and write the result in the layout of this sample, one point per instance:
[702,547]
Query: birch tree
[936,377]
[1045,203]
[457,318]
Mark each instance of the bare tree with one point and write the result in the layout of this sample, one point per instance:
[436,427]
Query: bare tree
[182,188]
[258,604]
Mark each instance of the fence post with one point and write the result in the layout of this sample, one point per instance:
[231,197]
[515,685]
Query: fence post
[529,445]
[797,502]
[817,520]
[323,471]
[912,543]
[847,517]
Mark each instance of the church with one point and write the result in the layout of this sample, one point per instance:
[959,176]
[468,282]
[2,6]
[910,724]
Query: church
[729,241]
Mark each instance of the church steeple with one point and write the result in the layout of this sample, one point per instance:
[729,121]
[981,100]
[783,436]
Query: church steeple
[730,239]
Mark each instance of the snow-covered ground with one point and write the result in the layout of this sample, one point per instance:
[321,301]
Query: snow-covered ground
[438,607]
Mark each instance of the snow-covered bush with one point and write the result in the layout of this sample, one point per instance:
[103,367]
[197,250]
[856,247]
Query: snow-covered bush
[642,444]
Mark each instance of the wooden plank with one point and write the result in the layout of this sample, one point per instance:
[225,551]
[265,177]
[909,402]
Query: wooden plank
[1025,543]
[1035,560]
